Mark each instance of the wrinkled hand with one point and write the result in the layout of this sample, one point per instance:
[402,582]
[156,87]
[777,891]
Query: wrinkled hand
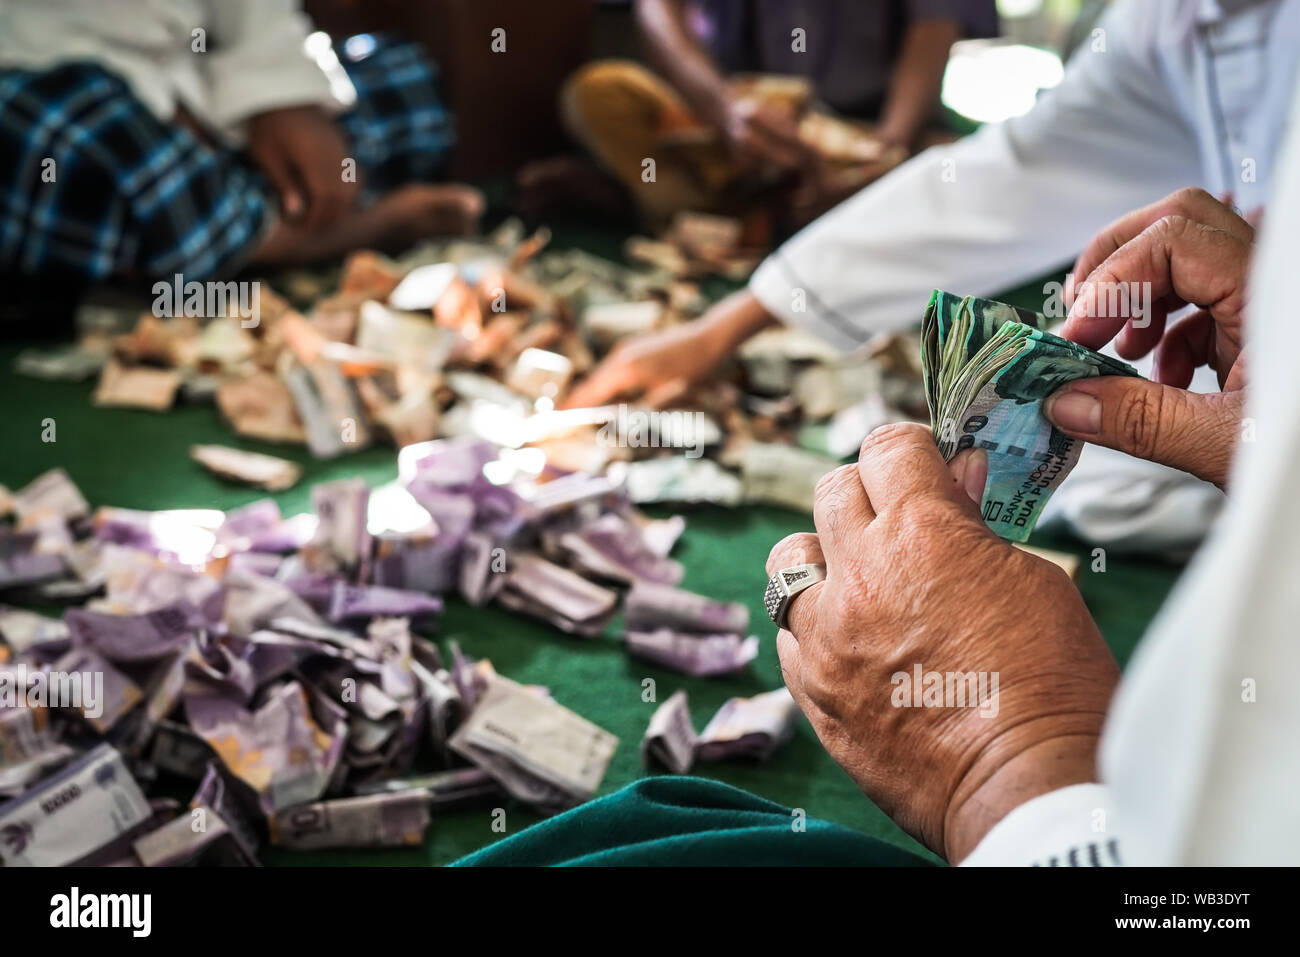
[1191,249]
[914,577]
[301,150]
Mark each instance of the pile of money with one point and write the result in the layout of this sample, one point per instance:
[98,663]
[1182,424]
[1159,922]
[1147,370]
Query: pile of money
[698,244]
[540,752]
[988,368]
[484,338]
[286,665]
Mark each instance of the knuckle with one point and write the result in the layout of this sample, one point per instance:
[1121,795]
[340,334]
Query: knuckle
[791,550]
[1191,198]
[832,510]
[830,487]
[1137,426]
[1171,225]
[891,435]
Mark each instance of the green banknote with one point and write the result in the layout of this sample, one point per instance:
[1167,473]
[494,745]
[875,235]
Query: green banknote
[988,367]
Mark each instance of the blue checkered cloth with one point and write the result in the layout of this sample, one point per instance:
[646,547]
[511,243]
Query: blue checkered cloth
[128,195]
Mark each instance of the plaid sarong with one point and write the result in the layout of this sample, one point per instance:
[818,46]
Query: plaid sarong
[93,185]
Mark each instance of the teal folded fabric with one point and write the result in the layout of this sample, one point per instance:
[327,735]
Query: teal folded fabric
[686,821]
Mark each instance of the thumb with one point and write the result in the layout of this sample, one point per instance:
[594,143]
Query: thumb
[1185,430]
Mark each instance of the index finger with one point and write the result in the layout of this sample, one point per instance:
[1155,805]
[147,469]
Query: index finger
[1195,204]
[1175,256]
[900,462]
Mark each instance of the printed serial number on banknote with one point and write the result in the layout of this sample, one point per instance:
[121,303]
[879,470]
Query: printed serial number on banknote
[988,368]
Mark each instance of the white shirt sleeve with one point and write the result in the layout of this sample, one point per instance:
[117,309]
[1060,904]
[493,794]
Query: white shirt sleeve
[1202,744]
[1000,207]
[1201,753]
[1071,827]
[257,61]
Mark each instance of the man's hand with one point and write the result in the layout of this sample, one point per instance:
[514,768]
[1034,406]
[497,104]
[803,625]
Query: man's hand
[1199,255]
[1190,203]
[687,353]
[915,578]
[301,150]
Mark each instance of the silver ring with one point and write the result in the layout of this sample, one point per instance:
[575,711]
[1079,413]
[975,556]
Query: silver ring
[785,584]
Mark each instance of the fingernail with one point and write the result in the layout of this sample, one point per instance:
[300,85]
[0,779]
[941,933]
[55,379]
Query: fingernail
[1074,411]
[977,474]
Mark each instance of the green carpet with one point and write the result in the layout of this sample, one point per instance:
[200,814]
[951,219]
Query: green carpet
[139,459]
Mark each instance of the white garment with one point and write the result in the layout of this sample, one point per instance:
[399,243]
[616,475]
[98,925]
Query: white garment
[1183,94]
[254,58]
[1132,505]
[1201,752]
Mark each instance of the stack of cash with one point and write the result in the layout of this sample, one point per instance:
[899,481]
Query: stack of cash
[285,664]
[988,368]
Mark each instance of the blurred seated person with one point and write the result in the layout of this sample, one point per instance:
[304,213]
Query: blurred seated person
[740,98]
[144,138]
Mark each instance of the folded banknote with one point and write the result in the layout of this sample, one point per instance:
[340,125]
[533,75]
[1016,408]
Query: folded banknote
[988,367]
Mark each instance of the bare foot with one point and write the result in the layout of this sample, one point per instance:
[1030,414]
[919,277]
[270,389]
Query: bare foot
[398,219]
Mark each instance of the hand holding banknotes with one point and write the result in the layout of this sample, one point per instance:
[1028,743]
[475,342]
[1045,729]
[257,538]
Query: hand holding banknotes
[1193,250]
[916,584]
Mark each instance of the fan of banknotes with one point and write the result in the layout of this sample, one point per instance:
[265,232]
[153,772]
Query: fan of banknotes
[988,368]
